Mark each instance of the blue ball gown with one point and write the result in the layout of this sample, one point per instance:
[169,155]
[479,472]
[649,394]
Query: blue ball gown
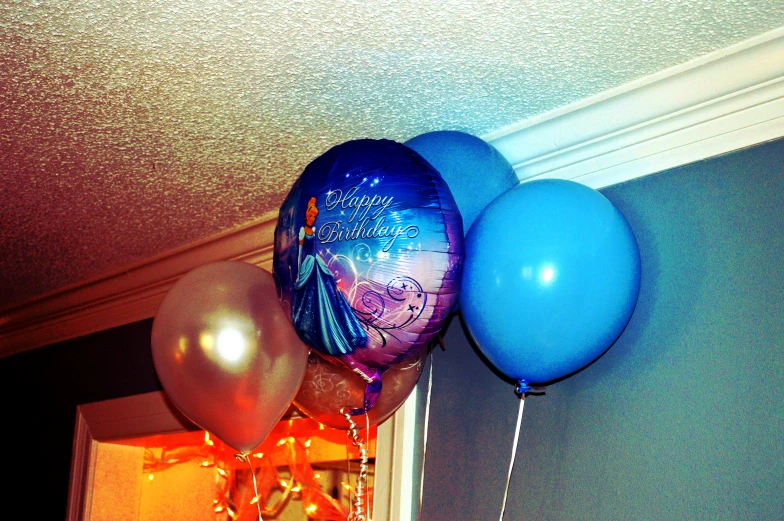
[321,314]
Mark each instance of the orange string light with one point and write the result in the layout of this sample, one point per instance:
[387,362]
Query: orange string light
[234,495]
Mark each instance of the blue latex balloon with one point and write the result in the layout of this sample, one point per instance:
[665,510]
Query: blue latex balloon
[475,172]
[551,278]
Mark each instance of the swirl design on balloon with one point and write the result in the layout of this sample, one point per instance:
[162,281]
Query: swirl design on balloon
[323,381]
[328,387]
[408,300]
[396,306]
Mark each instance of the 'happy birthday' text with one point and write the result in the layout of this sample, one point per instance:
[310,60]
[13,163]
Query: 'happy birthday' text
[369,224]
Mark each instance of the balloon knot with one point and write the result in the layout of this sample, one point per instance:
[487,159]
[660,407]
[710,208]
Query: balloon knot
[241,457]
[521,388]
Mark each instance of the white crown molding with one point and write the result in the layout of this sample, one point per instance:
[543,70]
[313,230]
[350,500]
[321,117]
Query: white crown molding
[721,102]
[729,99]
[130,294]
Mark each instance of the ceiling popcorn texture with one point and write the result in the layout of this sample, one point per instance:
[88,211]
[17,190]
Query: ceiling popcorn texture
[129,128]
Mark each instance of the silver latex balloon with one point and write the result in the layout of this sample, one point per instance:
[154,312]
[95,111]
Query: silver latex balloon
[226,353]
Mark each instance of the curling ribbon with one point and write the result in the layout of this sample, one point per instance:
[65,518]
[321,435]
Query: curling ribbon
[359,443]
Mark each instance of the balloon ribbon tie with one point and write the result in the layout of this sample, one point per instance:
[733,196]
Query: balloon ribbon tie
[372,392]
[522,388]
[243,457]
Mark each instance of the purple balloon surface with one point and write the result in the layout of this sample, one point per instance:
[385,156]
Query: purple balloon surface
[369,254]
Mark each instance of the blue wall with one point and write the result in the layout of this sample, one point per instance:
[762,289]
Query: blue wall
[683,418]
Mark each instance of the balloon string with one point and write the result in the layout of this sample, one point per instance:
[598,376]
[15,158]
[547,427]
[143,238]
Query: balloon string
[359,499]
[348,478]
[244,457]
[514,453]
[367,489]
[424,439]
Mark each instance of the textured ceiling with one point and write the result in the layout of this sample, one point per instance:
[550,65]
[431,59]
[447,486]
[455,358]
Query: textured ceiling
[131,127]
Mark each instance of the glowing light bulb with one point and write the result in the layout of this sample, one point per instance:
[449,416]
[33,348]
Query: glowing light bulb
[547,274]
[231,345]
[311,508]
[151,477]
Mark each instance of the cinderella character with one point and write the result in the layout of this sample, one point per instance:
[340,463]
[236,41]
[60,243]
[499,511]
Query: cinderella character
[321,314]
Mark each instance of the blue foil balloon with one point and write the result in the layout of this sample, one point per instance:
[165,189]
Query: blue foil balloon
[368,255]
[476,172]
[551,278]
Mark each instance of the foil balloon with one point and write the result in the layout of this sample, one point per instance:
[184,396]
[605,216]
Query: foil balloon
[225,352]
[328,388]
[368,255]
